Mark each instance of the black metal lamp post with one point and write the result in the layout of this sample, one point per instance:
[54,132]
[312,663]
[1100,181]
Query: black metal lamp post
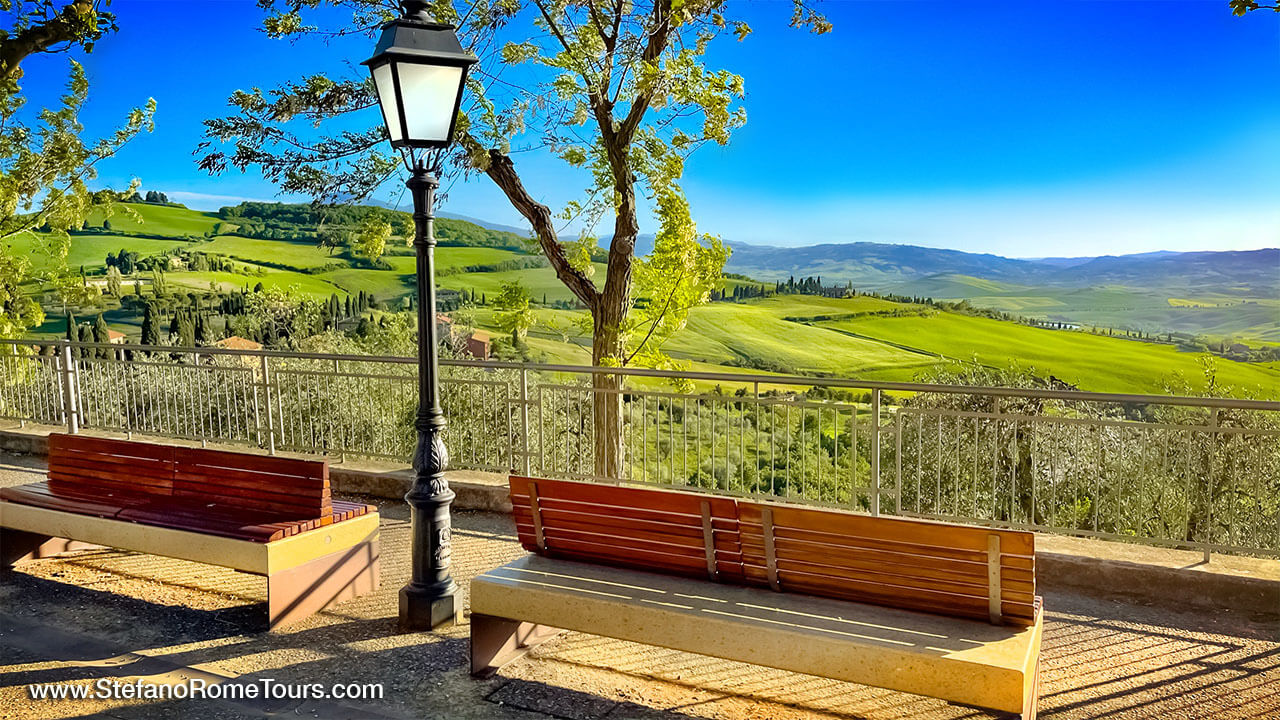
[419,69]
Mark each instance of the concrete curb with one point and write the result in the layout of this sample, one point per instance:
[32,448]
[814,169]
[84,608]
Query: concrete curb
[1096,566]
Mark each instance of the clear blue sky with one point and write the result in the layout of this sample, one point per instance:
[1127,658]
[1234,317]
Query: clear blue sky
[1020,128]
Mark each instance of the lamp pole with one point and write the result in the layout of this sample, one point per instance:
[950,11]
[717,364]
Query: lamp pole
[429,600]
[419,71]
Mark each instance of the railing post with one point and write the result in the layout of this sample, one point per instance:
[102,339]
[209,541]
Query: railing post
[1213,464]
[524,420]
[70,391]
[266,389]
[875,451]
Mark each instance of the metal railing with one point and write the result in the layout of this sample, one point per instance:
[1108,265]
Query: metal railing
[1169,470]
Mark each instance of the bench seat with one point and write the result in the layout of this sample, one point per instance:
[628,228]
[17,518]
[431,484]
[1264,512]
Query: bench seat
[964,661]
[181,513]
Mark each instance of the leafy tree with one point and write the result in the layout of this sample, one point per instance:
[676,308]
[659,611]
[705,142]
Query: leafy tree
[114,281]
[371,238]
[17,311]
[159,287]
[514,314]
[45,164]
[618,89]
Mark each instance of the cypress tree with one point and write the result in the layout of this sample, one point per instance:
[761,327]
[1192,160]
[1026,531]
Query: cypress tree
[101,335]
[150,334]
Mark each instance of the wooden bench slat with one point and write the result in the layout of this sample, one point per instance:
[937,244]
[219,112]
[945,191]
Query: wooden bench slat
[924,600]
[924,568]
[872,556]
[921,532]
[86,461]
[108,446]
[231,460]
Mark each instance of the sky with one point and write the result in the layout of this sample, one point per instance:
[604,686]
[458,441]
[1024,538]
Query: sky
[1026,129]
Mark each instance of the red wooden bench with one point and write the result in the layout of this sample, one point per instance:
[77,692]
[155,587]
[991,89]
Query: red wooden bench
[269,516]
[936,609]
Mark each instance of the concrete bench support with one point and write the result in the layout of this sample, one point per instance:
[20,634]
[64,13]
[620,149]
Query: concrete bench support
[305,573]
[962,661]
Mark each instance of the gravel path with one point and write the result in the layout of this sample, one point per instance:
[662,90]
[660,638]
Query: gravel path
[122,615]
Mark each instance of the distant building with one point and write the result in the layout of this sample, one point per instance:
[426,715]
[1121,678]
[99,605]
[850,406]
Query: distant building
[115,337]
[478,345]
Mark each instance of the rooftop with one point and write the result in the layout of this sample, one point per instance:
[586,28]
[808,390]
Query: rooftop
[122,615]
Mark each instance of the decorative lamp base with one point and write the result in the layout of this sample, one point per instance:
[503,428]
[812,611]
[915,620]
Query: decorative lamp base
[428,608]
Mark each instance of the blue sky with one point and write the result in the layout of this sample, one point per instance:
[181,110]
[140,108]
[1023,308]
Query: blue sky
[1020,128]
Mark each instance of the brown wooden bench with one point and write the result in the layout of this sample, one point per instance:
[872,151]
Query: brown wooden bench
[269,516]
[931,608]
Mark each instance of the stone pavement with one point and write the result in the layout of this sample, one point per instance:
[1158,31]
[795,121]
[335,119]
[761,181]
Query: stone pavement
[122,615]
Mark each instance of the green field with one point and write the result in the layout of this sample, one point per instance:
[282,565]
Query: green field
[859,337]
[1088,361]
[91,251]
[300,254]
[270,278]
[158,219]
[539,281]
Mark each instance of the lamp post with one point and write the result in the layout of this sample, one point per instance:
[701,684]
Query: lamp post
[419,69]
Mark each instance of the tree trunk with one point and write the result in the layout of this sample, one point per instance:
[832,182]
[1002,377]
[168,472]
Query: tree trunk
[606,349]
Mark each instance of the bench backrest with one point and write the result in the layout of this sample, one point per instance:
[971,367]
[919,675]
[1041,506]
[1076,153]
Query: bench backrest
[284,487]
[941,568]
[681,533]
[103,467]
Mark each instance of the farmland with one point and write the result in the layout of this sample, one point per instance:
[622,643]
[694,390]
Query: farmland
[862,336]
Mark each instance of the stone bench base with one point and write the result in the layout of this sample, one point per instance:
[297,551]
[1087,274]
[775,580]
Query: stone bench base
[305,573]
[518,605]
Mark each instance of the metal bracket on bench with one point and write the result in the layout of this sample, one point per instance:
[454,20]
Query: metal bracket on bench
[993,579]
[770,552]
[709,542]
[536,511]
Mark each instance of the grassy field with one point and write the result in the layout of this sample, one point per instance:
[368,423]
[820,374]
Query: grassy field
[300,254]
[158,219]
[539,281]
[91,250]
[271,278]
[792,334]
[1089,361]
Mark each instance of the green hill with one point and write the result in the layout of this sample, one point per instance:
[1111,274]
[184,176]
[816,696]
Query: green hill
[1088,361]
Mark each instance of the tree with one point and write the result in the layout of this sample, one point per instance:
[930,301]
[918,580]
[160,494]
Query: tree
[45,164]
[114,281]
[150,331]
[17,311]
[617,89]
[371,238]
[1240,7]
[514,314]
[102,335]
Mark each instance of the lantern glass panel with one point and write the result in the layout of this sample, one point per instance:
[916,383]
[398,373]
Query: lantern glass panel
[431,95]
[385,83]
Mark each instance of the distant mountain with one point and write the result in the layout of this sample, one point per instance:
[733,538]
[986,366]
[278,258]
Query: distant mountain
[921,270]
[874,265]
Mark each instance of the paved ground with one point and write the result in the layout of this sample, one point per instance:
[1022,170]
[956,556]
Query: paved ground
[121,615]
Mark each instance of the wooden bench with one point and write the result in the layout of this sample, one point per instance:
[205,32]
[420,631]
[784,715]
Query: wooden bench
[948,611]
[268,516]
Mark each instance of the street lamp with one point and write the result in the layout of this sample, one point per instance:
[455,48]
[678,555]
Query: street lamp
[419,69]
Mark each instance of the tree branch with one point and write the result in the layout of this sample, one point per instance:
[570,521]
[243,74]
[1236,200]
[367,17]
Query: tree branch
[68,25]
[503,173]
